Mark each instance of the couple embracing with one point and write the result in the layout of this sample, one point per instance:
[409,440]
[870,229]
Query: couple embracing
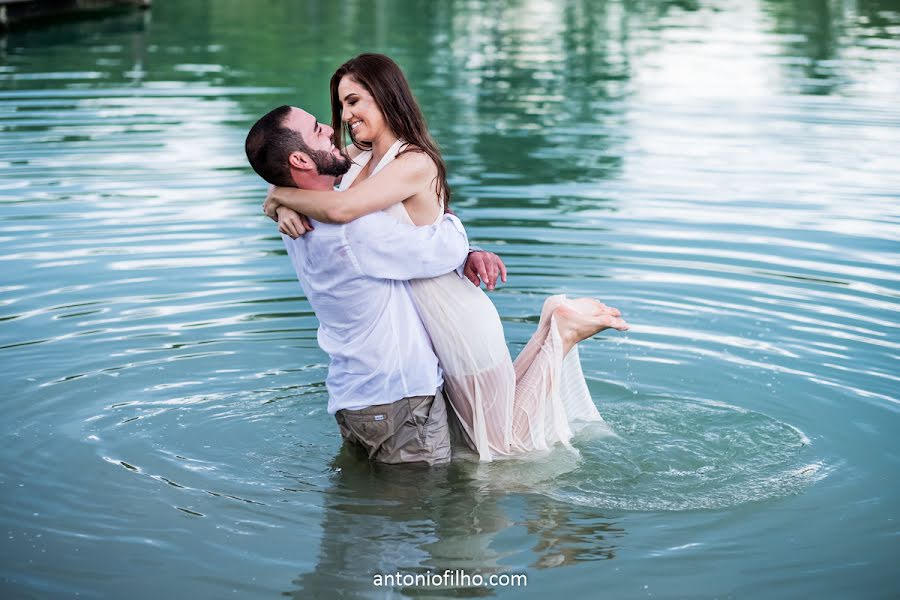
[415,344]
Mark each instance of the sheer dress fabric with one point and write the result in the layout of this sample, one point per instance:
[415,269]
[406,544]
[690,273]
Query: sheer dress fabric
[506,408]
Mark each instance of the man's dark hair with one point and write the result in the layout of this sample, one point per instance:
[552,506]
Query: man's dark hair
[269,145]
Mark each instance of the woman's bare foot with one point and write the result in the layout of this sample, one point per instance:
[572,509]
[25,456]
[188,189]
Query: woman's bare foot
[550,306]
[589,306]
[579,319]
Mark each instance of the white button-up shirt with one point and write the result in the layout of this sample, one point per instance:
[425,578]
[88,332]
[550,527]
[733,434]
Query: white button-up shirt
[355,276]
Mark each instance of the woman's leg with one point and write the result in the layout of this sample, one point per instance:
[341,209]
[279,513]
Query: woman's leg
[483,403]
[539,418]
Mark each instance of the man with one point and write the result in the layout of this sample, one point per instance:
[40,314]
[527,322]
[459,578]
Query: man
[383,380]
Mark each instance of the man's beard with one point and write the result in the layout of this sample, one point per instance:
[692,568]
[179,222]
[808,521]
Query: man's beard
[328,164]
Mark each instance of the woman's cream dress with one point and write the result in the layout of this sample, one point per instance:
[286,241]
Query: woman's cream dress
[506,408]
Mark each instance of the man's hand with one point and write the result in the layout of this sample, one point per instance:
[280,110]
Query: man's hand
[483,267]
[292,223]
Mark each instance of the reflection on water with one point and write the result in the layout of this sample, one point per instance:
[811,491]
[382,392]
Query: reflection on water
[416,520]
[406,519]
[723,171]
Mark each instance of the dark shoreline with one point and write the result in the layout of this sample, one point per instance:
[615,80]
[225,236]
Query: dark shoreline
[15,13]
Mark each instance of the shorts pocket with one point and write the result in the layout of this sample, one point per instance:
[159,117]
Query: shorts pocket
[419,415]
[370,430]
[436,429]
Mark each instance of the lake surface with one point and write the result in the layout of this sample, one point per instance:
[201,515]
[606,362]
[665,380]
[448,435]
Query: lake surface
[726,172]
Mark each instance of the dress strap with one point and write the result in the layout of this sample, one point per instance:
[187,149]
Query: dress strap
[361,160]
[390,155]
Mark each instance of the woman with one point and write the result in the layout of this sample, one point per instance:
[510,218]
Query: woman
[505,408]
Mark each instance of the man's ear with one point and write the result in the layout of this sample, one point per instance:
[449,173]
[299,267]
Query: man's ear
[301,160]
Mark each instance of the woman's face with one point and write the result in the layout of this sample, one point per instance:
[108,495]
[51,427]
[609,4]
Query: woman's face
[359,111]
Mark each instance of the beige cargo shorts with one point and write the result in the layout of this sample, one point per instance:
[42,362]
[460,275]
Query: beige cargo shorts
[409,430]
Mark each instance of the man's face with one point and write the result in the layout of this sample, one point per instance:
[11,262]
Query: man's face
[320,140]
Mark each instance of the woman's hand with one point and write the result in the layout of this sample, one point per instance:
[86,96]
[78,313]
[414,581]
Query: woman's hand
[272,203]
[292,223]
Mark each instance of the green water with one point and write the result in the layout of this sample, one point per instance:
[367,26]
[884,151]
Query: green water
[725,172]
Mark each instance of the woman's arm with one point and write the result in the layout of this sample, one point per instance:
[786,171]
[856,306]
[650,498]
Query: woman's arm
[403,177]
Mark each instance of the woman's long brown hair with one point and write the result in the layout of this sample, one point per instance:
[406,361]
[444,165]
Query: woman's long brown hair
[382,78]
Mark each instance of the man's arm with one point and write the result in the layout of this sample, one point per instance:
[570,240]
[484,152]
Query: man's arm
[481,266]
[383,247]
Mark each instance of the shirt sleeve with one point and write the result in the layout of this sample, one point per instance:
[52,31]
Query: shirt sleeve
[382,247]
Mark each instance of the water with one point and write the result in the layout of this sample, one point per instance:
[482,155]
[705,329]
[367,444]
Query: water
[725,172]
